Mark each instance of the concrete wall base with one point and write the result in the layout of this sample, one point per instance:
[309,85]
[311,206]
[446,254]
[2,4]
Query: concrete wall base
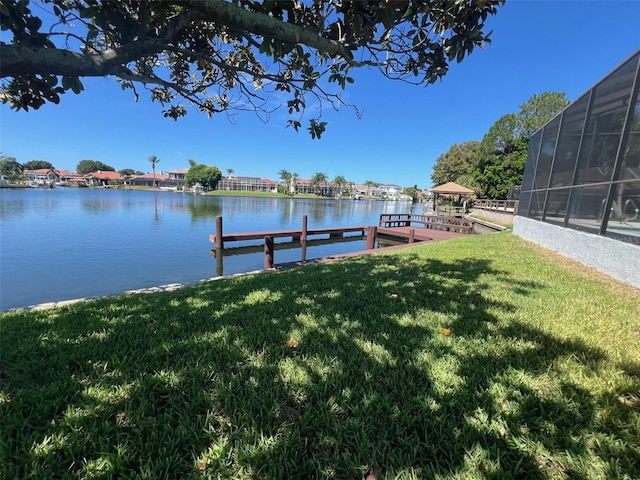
[617,259]
[500,217]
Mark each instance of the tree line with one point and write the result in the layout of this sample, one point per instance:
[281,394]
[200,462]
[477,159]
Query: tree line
[206,175]
[319,181]
[496,163]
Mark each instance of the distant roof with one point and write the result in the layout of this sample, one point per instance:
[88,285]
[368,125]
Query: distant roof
[104,175]
[38,170]
[452,188]
[157,176]
[67,173]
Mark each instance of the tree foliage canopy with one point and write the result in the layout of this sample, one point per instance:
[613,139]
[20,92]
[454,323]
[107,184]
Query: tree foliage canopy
[224,56]
[205,175]
[128,172]
[10,168]
[502,153]
[455,163]
[38,164]
[88,166]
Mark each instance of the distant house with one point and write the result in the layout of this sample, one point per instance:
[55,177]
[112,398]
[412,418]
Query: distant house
[303,185]
[363,190]
[146,180]
[390,191]
[248,184]
[179,175]
[67,178]
[102,178]
[41,177]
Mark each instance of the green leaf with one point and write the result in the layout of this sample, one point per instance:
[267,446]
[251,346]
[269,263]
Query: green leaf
[89,12]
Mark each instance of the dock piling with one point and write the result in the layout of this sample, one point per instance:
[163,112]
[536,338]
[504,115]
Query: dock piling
[268,252]
[219,241]
[371,237]
[304,228]
[412,235]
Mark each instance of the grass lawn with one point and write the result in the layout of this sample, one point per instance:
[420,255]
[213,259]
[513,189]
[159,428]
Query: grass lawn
[479,357]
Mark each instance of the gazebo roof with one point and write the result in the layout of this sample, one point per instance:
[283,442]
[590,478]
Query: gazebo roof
[452,188]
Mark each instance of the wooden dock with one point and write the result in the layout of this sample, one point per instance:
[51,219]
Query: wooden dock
[293,234]
[403,228]
[431,222]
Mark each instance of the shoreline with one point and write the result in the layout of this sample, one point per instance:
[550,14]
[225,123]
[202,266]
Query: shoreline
[175,286]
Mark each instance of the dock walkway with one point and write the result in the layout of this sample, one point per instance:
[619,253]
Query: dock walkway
[294,234]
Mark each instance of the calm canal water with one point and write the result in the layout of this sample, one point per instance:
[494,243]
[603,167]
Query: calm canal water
[60,244]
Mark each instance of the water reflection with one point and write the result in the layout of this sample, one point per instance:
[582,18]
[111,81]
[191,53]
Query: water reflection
[203,208]
[12,208]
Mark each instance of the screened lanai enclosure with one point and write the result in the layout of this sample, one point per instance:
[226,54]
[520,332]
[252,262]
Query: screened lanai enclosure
[583,167]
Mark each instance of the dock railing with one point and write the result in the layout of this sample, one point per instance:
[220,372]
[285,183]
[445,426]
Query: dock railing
[505,206]
[436,222]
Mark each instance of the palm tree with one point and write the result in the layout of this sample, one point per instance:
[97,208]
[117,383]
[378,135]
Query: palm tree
[285,178]
[153,159]
[318,180]
[294,181]
[339,183]
[230,172]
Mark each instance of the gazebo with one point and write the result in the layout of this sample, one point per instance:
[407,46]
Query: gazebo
[450,188]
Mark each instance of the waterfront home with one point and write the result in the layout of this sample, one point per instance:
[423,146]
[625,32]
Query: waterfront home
[248,184]
[102,178]
[390,191]
[67,178]
[146,180]
[303,185]
[41,177]
[179,174]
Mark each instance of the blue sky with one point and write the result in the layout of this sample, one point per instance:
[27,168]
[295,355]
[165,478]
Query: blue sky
[538,46]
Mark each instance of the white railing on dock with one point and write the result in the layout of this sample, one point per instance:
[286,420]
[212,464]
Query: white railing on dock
[436,222]
[506,206]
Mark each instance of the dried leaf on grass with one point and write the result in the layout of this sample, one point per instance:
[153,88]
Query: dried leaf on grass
[445,331]
[121,417]
[292,343]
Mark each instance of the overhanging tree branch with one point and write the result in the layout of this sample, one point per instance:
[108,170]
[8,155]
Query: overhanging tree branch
[225,55]
[238,18]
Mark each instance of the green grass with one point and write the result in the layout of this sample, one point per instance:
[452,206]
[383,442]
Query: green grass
[480,357]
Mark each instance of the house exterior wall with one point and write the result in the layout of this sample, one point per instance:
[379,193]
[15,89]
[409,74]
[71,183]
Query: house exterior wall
[614,258]
[582,177]
[178,175]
